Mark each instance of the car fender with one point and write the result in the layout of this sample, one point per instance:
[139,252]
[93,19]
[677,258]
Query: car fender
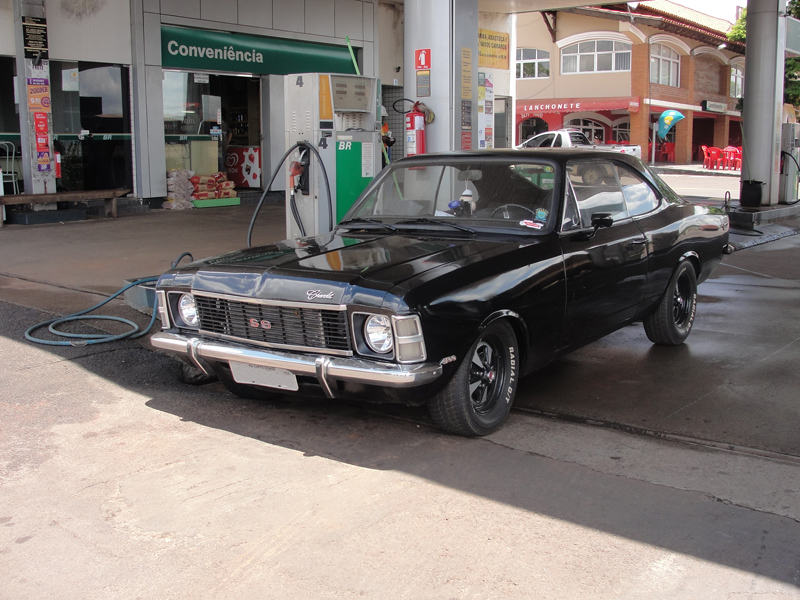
[519,326]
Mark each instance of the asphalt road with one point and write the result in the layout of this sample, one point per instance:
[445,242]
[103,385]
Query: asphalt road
[657,473]
[119,482]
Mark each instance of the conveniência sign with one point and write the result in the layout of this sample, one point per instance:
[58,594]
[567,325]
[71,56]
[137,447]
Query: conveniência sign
[225,53]
[205,50]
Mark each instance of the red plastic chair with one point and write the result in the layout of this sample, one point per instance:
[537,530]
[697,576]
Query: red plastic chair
[706,157]
[715,158]
[729,158]
[668,152]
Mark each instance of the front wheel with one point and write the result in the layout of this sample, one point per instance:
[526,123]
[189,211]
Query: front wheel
[478,398]
[672,320]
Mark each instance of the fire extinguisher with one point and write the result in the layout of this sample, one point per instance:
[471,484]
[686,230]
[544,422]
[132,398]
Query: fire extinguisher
[415,131]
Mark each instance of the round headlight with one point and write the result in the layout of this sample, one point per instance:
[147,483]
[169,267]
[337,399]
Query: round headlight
[187,309]
[378,333]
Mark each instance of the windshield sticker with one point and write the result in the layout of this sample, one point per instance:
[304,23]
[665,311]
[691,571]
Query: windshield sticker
[541,214]
[531,224]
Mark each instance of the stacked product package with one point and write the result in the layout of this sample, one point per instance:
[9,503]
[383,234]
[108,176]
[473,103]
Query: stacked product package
[187,190]
[179,189]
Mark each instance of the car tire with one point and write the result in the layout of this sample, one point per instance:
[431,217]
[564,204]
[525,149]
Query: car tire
[243,390]
[592,176]
[672,320]
[478,398]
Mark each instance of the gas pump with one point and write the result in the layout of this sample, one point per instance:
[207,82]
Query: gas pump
[790,163]
[338,115]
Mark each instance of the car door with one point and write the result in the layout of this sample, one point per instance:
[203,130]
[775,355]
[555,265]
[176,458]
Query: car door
[606,270]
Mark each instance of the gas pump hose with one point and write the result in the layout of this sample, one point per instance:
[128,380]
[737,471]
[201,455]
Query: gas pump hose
[293,206]
[85,339]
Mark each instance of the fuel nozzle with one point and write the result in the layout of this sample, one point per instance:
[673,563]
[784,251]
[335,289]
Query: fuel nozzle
[295,170]
[298,173]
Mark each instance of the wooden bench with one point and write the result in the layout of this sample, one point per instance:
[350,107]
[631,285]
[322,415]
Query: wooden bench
[108,196]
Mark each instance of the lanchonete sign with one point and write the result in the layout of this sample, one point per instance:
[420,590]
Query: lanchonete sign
[199,49]
[529,108]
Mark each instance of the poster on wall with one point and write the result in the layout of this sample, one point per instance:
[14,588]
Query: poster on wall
[38,94]
[243,166]
[485,110]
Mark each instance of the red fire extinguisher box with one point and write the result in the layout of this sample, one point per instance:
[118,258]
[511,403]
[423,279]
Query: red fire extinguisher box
[243,166]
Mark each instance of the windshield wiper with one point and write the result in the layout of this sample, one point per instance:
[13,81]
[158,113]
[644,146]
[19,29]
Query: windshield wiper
[367,220]
[426,220]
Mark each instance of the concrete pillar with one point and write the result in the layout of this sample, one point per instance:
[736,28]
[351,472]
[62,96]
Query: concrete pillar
[683,138]
[763,95]
[149,178]
[38,178]
[449,29]
[640,86]
[721,124]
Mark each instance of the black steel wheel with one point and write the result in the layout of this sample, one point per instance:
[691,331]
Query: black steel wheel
[672,320]
[478,398]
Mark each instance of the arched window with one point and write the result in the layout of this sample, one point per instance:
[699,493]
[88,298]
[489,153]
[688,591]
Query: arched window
[596,56]
[532,63]
[665,65]
[622,132]
[531,127]
[737,81]
[596,132]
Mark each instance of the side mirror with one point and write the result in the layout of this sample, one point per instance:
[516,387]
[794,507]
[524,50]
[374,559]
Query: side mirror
[602,220]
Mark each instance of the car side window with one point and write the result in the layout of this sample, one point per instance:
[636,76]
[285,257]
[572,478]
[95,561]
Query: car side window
[557,141]
[639,196]
[544,142]
[597,190]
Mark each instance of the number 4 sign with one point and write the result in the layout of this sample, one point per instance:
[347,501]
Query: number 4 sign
[422,59]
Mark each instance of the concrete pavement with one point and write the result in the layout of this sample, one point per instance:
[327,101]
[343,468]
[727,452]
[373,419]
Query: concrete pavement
[627,471]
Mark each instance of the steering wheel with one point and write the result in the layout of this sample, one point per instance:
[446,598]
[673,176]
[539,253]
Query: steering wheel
[507,206]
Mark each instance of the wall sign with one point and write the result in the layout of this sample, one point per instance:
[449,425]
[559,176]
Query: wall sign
[199,49]
[422,59]
[34,37]
[717,107]
[493,49]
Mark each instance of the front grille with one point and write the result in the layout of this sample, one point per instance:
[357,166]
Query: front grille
[275,325]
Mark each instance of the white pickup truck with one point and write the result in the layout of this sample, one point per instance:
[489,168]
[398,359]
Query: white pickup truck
[574,138]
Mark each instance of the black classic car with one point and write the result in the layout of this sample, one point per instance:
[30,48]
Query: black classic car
[451,277]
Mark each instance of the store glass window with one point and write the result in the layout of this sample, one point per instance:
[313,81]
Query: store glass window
[596,132]
[533,63]
[9,109]
[92,125]
[212,123]
[665,65]
[596,56]
[737,82]
[622,132]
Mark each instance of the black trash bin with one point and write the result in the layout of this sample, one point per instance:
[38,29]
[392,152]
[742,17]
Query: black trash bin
[750,196]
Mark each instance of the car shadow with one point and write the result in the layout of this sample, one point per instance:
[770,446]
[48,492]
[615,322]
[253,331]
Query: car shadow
[400,439]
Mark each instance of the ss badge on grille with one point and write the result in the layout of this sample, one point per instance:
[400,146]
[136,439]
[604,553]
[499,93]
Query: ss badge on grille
[260,324]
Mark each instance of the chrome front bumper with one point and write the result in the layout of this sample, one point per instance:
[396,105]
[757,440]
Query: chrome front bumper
[326,369]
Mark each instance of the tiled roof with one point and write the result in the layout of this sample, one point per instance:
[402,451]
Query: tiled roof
[671,9]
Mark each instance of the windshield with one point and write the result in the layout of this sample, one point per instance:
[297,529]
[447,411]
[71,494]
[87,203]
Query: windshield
[462,191]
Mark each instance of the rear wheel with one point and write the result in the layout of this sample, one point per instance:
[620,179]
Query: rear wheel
[672,320]
[478,398]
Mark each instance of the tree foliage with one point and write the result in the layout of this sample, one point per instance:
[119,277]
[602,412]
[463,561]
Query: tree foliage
[791,70]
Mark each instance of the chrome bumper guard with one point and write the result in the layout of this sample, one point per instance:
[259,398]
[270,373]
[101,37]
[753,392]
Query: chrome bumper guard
[325,368]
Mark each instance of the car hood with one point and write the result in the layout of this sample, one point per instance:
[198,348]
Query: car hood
[329,268]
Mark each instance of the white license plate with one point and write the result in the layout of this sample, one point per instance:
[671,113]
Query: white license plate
[266,376]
